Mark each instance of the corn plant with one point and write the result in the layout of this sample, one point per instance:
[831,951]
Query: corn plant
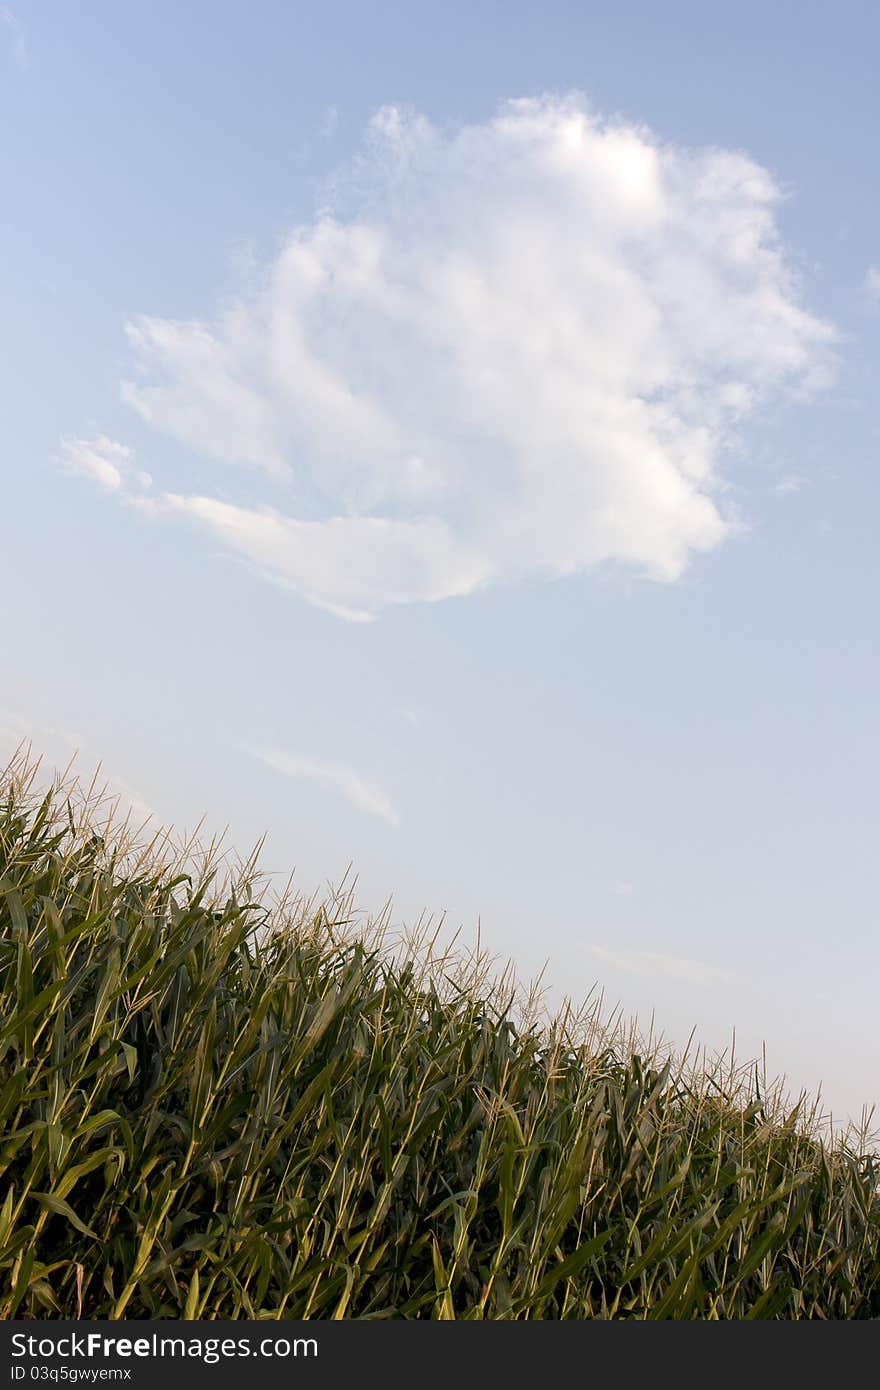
[214,1106]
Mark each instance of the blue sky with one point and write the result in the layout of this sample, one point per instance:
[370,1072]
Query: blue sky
[445,439]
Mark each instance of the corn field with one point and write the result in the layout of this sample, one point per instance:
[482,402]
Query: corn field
[211,1107]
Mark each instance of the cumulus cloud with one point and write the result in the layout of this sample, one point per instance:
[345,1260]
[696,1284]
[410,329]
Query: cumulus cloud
[518,349]
[193,386]
[341,779]
[107,462]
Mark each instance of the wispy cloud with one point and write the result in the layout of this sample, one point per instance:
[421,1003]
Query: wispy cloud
[650,963]
[517,350]
[340,779]
[872,284]
[329,123]
[57,744]
[107,462]
[15,28]
[621,887]
[789,484]
[60,749]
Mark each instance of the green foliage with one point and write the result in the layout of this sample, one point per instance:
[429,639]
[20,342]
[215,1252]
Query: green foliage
[213,1109]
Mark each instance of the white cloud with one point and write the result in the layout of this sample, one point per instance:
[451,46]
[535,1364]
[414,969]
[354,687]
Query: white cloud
[13,24]
[107,462]
[519,349]
[193,387]
[872,284]
[341,779]
[650,963]
[349,565]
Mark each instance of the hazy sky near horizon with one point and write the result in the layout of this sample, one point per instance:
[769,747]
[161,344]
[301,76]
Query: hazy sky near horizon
[445,438]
